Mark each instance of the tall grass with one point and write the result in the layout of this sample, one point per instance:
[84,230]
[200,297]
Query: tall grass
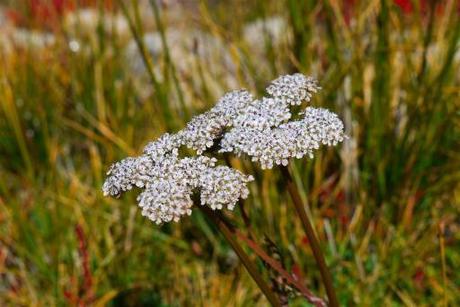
[385,205]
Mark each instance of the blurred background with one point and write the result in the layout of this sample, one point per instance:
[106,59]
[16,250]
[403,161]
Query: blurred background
[85,83]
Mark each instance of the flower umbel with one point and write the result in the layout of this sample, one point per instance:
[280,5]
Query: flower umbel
[202,130]
[170,181]
[294,89]
[293,139]
[265,133]
[260,129]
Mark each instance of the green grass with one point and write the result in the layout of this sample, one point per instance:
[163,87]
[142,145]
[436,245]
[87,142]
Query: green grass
[378,202]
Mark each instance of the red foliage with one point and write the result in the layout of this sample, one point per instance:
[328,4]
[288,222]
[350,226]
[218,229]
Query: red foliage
[42,10]
[85,294]
[419,278]
[348,10]
[305,240]
[405,5]
[14,16]
[48,13]
[83,250]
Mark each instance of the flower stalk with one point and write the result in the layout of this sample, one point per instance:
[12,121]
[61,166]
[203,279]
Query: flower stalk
[228,233]
[264,129]
[313,241]
[289,278]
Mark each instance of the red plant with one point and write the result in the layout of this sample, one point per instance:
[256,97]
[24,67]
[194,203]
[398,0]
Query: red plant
[85,293]
[405,5]
[48,13]
[83,250]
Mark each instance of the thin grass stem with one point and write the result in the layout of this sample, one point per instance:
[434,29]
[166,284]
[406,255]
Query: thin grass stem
[443,262]
[136,31]
[169,62]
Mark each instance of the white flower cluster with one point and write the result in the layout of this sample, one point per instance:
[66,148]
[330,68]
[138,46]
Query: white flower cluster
[202,130]
[271,112]
[292,139]
[167,144]
[294,88]
[233,104]
[258,128]
[223,186]
[170,181]
[263,114]
[265,133]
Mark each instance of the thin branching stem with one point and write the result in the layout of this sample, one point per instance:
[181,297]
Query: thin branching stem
[275,265]
[249,265]
[314,244]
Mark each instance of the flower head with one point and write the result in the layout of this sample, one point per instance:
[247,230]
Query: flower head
[264,114]
[168,181]
[165,200]
[293,139]
[293,88]
[233,104]
[261,129]
[265,133]
[222,186]
[201,132]
[167,144]
[127,173]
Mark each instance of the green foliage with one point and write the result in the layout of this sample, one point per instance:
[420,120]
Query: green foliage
[385,204]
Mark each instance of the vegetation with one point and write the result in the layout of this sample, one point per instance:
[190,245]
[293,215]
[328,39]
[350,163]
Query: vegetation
[385,204]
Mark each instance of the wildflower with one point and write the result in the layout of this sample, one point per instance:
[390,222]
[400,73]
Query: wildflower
[264,114]
[201,132]
[233,104]
[260,129]
[223,186]
[167,144]
[165,201]
[121,177]
[293,139]
[270,112]
[294,89]
[265,133]
[170,181]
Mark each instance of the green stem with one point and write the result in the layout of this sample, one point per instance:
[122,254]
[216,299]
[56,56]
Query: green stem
[169,62]
[228,233]
[136,31]
[314,244]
